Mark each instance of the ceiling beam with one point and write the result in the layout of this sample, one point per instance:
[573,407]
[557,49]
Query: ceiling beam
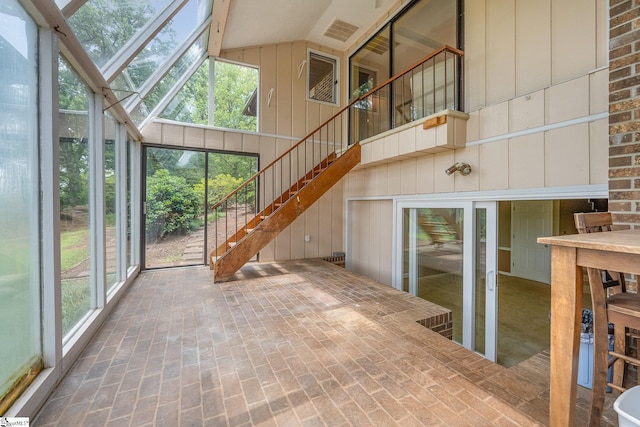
[218,24]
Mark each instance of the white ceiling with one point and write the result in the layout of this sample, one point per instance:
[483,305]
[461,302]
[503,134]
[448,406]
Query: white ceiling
[260,22]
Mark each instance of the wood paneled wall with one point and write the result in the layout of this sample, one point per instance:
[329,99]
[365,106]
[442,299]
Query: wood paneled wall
[288,113]
[517,47]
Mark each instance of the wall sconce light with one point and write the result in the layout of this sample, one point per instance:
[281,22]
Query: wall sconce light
[463,168]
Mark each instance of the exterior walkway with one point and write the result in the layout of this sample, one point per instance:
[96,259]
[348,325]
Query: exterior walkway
[286,344]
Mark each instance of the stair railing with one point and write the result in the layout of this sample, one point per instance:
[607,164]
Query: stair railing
[429,86]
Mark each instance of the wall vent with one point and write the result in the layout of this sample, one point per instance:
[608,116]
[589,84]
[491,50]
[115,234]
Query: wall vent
[340,30]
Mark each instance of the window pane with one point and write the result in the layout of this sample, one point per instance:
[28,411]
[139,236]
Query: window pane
[19,232]
[368,68]
[110,129]
[75,245]
[153,98]
[102,38]
[191,104]
[235,88]
[174,232]
[172,35]
[322,78]
[225,173]
[424,28]
[436,249]
[130,260]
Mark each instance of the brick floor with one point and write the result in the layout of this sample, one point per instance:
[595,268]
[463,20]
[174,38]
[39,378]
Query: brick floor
[287,344]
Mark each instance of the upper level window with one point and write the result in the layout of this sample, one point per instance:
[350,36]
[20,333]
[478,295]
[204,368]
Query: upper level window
[420,29]
[235,96]
[322,78]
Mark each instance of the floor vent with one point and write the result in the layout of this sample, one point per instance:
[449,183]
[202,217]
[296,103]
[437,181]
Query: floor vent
[338,259]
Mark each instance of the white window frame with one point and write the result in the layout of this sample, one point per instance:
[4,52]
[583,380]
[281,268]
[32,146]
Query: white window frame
[336,75]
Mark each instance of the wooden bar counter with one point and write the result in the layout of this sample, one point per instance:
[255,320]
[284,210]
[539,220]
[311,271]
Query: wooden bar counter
[614,250]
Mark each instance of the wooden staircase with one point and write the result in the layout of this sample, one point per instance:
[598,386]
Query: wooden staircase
[239,248]
[294,181]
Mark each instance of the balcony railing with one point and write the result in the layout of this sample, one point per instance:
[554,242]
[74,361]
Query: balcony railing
[428,87]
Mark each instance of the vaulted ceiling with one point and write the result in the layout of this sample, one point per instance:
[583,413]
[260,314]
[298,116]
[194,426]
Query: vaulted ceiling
[260,22]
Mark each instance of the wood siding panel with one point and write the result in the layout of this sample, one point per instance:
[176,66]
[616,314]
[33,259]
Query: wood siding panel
[598,151]
[370,231]
[385,242]
[250,56]
[297,238]
[325,223]
[312,229]
[526,161]
[492,174]
[567,156]
[533,45]
[298,91]
[269,85]
[282,245]
[408,176]
[573,41]
[285,89]
[475,55]
[500,50]
[337,217]
[373,237]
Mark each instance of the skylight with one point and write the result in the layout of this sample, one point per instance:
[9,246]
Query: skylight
[145,46]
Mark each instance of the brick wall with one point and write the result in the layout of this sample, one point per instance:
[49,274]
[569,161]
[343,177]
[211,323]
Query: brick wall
[624,112]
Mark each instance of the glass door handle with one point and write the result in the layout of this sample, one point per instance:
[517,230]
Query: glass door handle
[490,278]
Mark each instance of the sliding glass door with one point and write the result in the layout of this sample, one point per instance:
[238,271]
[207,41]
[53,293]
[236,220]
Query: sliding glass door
[174,208]
[449,258]
[485,279]
[180,188]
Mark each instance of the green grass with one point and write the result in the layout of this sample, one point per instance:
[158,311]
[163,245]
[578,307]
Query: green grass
[76,292]
[75,301]
[74,248]
[213,216]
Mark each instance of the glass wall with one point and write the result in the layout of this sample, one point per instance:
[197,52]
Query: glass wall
[179,230]
[111,221]
[369,67]
[191,103]
[102,41]
[20,347]
[75,239]
[143,50]
[422,28]
[130,171]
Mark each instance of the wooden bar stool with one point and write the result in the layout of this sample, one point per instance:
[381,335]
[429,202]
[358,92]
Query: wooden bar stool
[610,303]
